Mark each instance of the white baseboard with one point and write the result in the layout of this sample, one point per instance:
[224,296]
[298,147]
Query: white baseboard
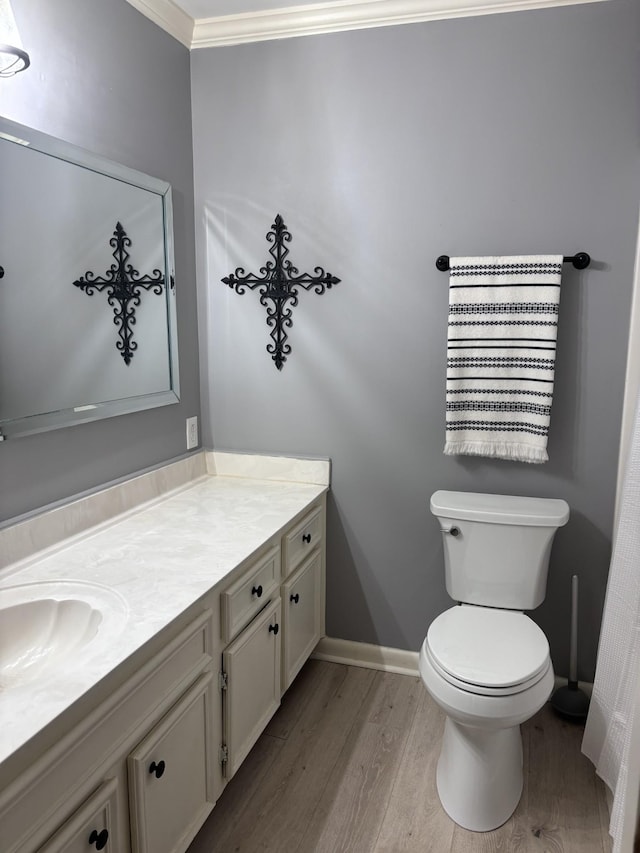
[387,659]
[367,655]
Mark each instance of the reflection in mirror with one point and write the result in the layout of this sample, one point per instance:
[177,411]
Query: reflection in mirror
[124,286]
[66,358]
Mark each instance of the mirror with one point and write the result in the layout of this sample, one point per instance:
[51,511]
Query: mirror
[87,288]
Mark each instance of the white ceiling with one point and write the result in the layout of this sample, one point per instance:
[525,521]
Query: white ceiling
[213,8]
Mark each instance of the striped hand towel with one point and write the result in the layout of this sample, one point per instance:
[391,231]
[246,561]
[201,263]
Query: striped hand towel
[503,319]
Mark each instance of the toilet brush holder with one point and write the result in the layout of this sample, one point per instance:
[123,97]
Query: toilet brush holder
[570,701]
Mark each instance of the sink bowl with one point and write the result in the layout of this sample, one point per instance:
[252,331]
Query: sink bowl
[52,627]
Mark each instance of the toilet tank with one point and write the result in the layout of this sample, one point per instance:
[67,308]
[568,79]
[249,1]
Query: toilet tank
[497,547]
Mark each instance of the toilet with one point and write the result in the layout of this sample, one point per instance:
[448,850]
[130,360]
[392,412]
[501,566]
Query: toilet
[484,661]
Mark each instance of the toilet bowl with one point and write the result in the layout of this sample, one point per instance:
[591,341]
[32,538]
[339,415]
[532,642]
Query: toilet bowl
[484,661]
[479,776]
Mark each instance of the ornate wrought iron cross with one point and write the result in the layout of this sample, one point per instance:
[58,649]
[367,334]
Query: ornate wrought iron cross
[278,285]
[123,284]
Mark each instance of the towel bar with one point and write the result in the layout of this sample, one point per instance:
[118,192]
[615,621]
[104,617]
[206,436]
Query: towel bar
[580,261]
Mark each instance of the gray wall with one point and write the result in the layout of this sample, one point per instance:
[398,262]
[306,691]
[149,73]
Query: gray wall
[107,79]
[382,149]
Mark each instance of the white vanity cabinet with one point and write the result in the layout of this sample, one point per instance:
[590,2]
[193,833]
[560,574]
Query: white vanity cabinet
[79,784]
[137,764]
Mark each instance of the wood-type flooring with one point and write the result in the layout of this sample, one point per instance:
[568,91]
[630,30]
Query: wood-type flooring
[347,765]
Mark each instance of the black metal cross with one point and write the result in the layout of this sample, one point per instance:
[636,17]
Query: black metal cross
[279,282]
[123,284]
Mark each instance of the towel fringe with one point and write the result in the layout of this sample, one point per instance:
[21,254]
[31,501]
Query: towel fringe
[504,450]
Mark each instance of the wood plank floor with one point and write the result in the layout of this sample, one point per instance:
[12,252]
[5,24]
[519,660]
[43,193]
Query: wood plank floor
[347,765]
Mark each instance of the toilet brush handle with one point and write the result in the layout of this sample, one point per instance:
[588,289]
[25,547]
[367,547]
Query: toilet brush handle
[573,647]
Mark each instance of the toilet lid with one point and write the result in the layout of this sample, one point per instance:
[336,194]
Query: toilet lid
[488,647]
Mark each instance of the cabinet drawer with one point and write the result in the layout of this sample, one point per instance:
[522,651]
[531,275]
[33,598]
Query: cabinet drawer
[170,775]
[302,540]
[94,826]
[240,602]
[252,694]
[301,616]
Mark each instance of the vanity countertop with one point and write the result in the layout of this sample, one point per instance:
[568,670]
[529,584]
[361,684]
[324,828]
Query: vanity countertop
[160,558]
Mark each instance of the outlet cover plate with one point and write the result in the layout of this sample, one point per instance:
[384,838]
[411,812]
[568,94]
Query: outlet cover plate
[192,433]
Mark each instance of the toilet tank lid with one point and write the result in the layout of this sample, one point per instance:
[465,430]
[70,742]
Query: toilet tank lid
[500,509]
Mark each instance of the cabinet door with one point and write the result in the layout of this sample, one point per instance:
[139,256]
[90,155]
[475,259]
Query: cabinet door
[170,775]
[91,827]
[301,616]
[252,695]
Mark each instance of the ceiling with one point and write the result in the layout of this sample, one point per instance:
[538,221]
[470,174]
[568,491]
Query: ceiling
[214,23]
[214,8]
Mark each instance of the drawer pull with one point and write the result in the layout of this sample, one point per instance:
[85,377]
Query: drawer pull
[274,628]
[306,537]
[158,768]
[295,598]
[257,591]
[99,838]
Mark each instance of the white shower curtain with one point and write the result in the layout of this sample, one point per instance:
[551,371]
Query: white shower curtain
[607,737]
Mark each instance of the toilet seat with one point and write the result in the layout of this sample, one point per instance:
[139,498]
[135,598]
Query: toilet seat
[481,689]
[487,651]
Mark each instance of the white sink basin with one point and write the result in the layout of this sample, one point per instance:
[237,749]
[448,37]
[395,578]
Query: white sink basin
[52,627]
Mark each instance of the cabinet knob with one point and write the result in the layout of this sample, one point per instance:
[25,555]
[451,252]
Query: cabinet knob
[306,537]
[158,768]
[99,838]
[295,598]
[274,628]
[257,591]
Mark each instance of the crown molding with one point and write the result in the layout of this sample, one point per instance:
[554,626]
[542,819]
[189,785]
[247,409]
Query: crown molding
[324,17]
[170,17]
[340,15]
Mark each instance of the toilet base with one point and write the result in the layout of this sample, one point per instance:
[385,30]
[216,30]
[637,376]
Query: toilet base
[479,776]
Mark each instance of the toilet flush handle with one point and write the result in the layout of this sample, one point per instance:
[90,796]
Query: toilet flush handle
[453,530]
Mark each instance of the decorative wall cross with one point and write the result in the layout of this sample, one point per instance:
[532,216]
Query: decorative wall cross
[123,284]
[278,285]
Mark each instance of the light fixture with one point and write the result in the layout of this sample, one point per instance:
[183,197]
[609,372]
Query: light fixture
[12,56]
